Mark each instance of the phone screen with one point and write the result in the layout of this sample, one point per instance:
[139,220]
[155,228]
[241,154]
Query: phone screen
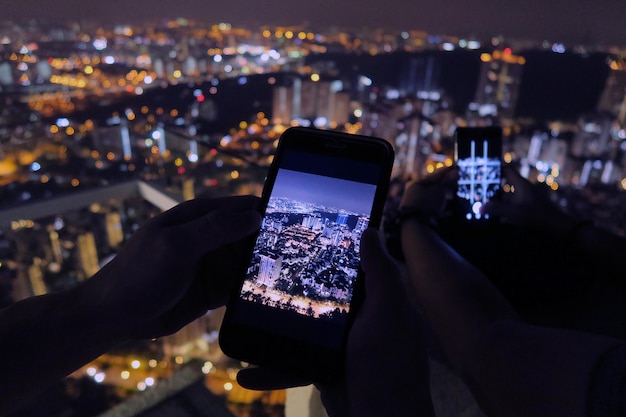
[479,159]
[301,279]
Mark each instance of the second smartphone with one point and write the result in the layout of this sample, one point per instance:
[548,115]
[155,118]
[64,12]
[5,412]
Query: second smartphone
[303,284]
[478,156]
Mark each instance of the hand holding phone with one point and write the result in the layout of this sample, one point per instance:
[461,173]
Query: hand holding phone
[302,286]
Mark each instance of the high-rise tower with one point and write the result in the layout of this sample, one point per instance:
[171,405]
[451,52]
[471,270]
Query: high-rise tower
[498,84]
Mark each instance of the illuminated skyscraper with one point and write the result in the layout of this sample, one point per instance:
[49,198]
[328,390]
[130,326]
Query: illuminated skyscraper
[321,101]
[613,98]
[159,68]
[35,276]
[113,139]
[6,74]
[87,254]
[115,234]
[283,104]
[56,247]
[269,269]
[498,84]
[361,224]
[189,189]
[337,237]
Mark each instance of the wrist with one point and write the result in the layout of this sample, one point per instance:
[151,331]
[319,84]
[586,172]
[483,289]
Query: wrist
[417,214]
[87,310]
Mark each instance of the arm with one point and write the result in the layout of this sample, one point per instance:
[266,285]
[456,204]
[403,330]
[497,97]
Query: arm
[178,265]
[513,368]
[43,339]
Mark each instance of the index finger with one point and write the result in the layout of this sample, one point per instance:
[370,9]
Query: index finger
[513,176]
[192,209]
[442,175]
[218,228]
[383,283]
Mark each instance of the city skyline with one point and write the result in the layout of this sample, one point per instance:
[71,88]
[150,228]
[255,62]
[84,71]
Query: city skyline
[102,127]
[558,20]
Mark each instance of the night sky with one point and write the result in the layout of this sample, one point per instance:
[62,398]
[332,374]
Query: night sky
[573,21]
[331,192]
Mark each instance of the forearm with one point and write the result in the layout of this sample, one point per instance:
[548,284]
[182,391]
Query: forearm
[45,338]
[457,299]
[513,368]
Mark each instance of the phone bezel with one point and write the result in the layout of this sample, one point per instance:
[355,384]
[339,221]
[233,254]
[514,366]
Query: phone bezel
[289,354]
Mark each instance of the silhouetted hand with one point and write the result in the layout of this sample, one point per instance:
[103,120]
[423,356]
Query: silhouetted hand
[527,204]
[431,194]
[175,267]
[386,363]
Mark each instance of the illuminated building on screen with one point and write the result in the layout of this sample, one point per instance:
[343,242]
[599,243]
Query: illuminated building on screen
[361,224]
[342,218]
[269,269]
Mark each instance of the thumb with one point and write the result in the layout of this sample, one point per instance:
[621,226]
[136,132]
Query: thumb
[381,270]
[374,256]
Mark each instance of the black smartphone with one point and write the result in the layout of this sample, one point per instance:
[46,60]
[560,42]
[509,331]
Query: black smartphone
[303,283]
[478,156]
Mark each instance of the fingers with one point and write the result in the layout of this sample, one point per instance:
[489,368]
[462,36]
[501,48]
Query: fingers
[192,209]
[218,228]
[382,275]
[374,257]
[441,175]
[445,177]
[515,179]
[431,192]
[511,173]
[505,211]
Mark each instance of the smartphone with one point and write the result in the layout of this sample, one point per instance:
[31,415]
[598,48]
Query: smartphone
[478,156]
[303,283]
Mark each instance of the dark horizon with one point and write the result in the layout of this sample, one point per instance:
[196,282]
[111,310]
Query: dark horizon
[574,22]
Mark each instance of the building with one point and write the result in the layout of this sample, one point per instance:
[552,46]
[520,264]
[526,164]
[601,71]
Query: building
[613,97]
[87,254]
[342,218]
[269,269]
[498,85]
[322,102]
